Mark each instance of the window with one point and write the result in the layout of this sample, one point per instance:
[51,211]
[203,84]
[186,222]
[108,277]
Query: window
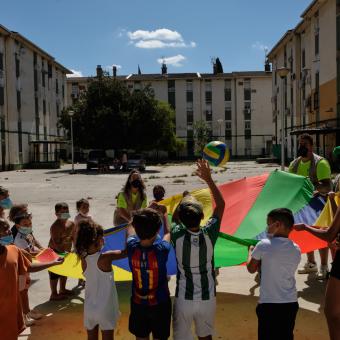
[227,111]
[208,115]
[171,86]
[56,86]
[228,134]
[35,75]
[208,97]
[74,90]
[303,58]
[247,89]
[190,133]
[285,56]
[137,86]
[18,100]
[316,93]
[17,66]
[49,71]
[190,106]
[190,117]
[172,99]
[190,96]
[2,96]
[247,125]
[247,134]
[1,62]
[58,111]
[247,111]
[227,90]
[35,58]
[316,43]
[189,85]
[207,84]
[43,74]
[228,125]
[44,106]
[63,90]
[275,75]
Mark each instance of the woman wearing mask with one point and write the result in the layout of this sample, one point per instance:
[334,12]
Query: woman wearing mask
[131,198]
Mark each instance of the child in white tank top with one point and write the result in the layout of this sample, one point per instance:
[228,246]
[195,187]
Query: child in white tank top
[101,309]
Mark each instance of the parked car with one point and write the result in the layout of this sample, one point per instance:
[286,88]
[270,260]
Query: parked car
[136,161]
[96,159]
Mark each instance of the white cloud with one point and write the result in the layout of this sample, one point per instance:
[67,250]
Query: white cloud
[75,74]
[160,34]
[176,60]
[259,46]
[160,38]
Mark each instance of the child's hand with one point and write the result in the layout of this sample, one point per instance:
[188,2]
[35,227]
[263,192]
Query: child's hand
[58,261]
[299,227]
[203,170]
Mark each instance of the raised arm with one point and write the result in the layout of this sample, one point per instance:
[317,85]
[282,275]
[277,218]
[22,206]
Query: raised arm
[203,171]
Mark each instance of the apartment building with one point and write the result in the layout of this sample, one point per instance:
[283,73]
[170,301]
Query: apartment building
[236,106]
[309,95]
[32,95]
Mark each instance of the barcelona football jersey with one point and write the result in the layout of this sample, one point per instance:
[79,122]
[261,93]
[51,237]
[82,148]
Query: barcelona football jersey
[149,273]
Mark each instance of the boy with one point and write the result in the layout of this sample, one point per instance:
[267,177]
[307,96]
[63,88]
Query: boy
[13,264]
[62,236]
[194,246]
[278,257]
[148,254]
[83,208]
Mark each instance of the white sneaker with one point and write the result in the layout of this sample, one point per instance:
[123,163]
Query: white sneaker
[28,321]
[323,272]
[35,315]
[308,268]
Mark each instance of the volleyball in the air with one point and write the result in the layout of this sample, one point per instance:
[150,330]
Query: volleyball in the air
[216,153]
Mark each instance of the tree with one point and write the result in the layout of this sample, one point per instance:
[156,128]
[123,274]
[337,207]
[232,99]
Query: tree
[109,116]
[202,135]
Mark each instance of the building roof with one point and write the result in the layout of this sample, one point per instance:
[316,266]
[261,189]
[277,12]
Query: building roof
[278,45]
[310,7]
[34,47]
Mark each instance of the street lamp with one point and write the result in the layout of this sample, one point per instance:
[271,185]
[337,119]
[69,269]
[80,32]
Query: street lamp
[282,72]
[71,113]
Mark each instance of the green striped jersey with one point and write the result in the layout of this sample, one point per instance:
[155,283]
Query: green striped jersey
[195,260]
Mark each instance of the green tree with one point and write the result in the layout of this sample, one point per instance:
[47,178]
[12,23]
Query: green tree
[202,135]
[109,116]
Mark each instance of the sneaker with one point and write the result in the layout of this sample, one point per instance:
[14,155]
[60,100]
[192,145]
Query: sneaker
[308,268]
[35,315]
[323,273]
[28,321]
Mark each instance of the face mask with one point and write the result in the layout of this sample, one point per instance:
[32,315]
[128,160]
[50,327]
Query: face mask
[83,214]
[65,216]
[6,203]
[136,183]
[302,151]
[5,240]
[25,230]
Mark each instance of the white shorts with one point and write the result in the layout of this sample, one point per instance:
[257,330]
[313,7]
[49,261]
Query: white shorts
[104,320]
[202,313]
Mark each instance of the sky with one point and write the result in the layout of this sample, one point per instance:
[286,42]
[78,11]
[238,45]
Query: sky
[187,34]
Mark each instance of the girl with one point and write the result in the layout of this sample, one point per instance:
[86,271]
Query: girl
[101,308]
[26,241]
[332,299]
[83,207]
[132,198]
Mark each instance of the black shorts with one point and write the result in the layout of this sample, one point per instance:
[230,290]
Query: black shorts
[156,319]
[335,271]
[276,321]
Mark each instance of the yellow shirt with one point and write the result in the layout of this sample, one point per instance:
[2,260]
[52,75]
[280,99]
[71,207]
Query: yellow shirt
[121,202]
[323,170]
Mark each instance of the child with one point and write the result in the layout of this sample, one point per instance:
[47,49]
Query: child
[83,208]
[194,246]
[26,241]
[158,194]
[148,254]
[62,235]
[278,258]
[5,201]
[101,308]
[16,210]
[13,264]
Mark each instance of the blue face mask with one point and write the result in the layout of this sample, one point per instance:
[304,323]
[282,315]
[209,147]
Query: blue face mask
[25,230]
[6,203]
[65,216]
[6,240]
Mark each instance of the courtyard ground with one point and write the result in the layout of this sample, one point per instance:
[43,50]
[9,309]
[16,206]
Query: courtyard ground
[237,290]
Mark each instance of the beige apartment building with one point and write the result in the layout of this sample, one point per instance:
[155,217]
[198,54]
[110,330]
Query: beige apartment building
[32,95]
[309,95]
[236,106]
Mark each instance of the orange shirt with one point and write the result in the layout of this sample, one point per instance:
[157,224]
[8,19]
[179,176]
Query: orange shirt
[12,264]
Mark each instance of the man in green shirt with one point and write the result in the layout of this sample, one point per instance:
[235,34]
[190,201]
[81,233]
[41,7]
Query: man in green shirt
[317,168]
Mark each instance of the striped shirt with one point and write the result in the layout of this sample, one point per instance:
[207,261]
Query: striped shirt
[195,260]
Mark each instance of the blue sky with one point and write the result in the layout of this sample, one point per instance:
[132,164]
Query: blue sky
[83,33]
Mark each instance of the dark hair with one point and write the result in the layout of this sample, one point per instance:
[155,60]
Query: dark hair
[3,191]
[186,193]
[158,188]
[4,224]
[306,137]
[190,212]
[127,186]
[282,215]
[16,210]
[60,205]
[88,234]
[81,202]
[146,223]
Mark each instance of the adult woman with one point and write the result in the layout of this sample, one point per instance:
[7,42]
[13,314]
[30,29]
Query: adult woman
[332,298]
[131,198]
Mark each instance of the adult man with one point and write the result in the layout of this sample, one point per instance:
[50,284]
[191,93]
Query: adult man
[318,170]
